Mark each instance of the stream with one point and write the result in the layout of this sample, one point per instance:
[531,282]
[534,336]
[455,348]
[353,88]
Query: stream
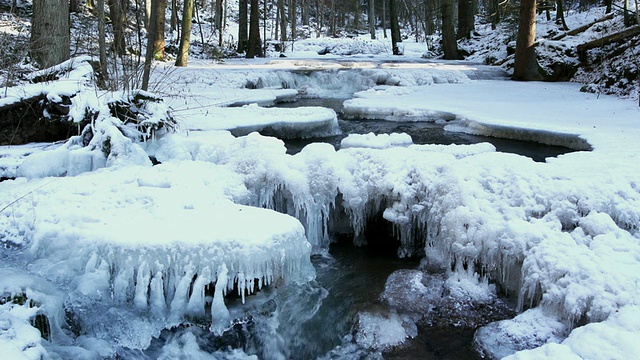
[420,132]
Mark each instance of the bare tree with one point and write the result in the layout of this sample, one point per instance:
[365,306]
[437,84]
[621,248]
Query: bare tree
[185,38]
[50,32]
[293,9]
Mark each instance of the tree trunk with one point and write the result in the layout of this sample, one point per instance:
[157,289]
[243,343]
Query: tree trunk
[283,20]
[305,12]
[147,13]
[220,19]
[372,19]
[118,21]
[158,21]
[102,46]
[243,26]
[465,19]
[494,9]
[151,41]
[293,18]
[255,48]
[185,38]
[526,67]
[395,29]
[173,22]
[384,18]
[50,32]
[356,14]
[449,43]
[560,15]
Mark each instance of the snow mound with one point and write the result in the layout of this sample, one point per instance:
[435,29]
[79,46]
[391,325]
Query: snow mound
[530,329]
[615,338]
[371,140]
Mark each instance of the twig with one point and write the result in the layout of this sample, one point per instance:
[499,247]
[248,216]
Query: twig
[27,194]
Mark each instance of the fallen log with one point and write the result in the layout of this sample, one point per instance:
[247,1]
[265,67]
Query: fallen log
[582,28]
[606,40]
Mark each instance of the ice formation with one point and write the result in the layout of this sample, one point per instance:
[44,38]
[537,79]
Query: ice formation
[380,141]
[157,239]
[296,123]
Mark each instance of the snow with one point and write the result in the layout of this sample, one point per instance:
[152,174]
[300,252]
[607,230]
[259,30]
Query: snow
[374,141]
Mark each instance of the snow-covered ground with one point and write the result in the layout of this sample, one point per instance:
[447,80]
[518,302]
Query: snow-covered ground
[134,248]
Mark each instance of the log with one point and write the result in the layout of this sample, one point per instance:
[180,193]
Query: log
[582,28]
[606,40]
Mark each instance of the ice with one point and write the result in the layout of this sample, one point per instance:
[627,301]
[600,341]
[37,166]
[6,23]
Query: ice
[297,123]
[382,331]
[374,141]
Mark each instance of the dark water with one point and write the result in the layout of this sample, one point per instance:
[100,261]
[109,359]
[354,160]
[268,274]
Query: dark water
[421,133]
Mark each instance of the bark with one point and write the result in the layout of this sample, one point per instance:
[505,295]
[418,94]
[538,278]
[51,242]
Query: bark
[50,32]
[606,40]
[465,19]
[395,29]
[384,18]
[560,20]
[293,18]
[151,38]
[158,22]
[174,15]
[526,67]
[185,37]
[254,48]
[494,6]
[305,12]
[449,43]
[356,14]
[582,28]
[372,19]
[283,20]
[102,46]
[118,21]
[243,26]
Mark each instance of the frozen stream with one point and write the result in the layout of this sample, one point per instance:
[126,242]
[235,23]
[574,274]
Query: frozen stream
[421,133]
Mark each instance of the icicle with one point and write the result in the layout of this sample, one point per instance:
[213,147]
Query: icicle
[197,301]
[157,300]
[220,316]
[123,284]
[140,300]
[242,285]
[181,296]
